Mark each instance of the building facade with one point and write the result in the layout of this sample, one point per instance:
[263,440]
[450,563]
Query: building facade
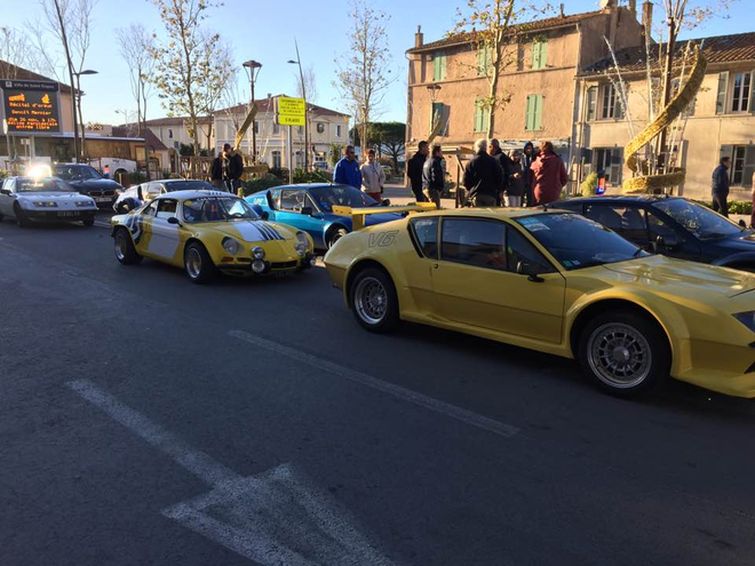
[719,122]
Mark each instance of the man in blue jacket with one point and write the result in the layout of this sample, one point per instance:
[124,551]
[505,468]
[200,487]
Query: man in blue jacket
[347,169]
[720,187]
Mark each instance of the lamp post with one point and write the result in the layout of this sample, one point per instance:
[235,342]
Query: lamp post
[253,70]
[297,61]
[78,94]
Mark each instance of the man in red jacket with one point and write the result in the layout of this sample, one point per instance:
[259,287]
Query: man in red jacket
[548,175]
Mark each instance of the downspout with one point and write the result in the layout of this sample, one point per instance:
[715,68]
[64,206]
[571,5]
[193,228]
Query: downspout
[576,105]
[409,92]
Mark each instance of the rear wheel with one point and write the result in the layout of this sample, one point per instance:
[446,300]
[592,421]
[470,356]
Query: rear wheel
[374,301]
[88,221]
[21,218]
[198,263]
[334,235]
[125,252]
[624,353]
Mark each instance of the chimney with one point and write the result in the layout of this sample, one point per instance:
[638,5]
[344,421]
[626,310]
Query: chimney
[647,17]
[633,7]
[419,37]
[561,10]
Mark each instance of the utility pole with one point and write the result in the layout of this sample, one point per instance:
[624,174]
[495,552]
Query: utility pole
[306,113]
[70,76]
[253,70]
[663,151]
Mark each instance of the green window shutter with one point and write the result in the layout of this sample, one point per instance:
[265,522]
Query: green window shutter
[528,123]
[442,67]
[538,111]
[539,54]
[592,100]
[481,62]
[723,82]
[436,67]
[752,92]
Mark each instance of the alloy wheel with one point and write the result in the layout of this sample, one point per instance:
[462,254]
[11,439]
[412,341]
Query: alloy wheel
[619,355]
[370,300]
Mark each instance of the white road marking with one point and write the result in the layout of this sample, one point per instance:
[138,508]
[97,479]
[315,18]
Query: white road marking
[277,517]
[402,393]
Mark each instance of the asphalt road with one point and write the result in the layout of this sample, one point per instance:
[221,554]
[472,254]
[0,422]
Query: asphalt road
[146,420]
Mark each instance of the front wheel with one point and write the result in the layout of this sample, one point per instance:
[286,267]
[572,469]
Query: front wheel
[21,218]
[334,235]
[198,263]
[88,221]
[374,301]
[624,353]
[125,252]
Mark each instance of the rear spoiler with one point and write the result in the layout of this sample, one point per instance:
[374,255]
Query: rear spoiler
[359,215]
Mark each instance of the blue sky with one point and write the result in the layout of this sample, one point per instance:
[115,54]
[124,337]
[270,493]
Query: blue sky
[265,31]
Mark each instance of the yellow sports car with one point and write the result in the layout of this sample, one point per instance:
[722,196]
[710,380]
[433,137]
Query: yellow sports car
[209,231]
[560,283]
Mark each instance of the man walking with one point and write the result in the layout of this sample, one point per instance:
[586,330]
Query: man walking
[720,187]
[347,169]
[483,177]
[414,170]
[433,176]
[234,168]
[373,177]
[528,156]
[548,175]
[515,188]
[503,161]
[216,171]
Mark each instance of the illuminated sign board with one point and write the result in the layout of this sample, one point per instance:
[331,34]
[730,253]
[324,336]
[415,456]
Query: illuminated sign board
[31,107]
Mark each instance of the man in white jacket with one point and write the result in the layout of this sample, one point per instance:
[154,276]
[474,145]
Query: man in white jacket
[373,177]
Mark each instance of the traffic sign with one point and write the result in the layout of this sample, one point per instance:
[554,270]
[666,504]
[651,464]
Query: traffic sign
[290,120]
[291,111]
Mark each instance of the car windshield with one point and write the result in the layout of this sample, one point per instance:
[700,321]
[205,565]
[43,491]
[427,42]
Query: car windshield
[217,209]
[76,172]
[577,242]
[701,221]
[340,195]
[33,184]
[188,186]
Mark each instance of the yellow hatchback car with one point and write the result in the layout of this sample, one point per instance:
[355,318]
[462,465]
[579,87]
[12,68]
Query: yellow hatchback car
[559,283]
[209,231]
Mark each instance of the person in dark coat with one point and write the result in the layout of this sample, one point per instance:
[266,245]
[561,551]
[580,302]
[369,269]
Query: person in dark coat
[494,149]
[433,176]
[548,175]
[234,168]
[720,187]
[216,171]
[483,177]
[516,186]
[414,170]
[528,156]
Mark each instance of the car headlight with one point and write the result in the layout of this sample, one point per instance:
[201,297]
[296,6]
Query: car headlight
[302,243]
[231,246]
[84,203]
[258,253]
[746,318]
[45,203]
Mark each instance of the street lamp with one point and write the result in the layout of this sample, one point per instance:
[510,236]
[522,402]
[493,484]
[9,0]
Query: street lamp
[78,94]
[252,68]
[433,88]
[297,61]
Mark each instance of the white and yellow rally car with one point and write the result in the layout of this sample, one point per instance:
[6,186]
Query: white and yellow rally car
[209,231]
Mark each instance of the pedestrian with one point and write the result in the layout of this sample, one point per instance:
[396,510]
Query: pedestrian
[494,149]
[373,177]
[414,170]
[483,177]
[528,156]
[234,168]
[216,171]
[720,186]
[548,175]
[433,176]
[752,216]
[516,187]
[347,171]
[106,171]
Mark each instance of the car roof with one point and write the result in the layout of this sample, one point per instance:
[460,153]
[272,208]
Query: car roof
[641,198]
[307,186]
[497,212]
[195,193]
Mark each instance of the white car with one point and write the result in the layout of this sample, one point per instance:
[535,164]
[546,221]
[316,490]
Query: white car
[32,199]
[133,197]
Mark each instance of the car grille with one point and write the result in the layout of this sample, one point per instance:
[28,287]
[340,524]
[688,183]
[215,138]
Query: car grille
[284,265]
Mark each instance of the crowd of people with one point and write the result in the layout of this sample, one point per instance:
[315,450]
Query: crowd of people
[527,177]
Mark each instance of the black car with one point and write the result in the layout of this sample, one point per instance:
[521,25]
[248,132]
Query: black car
[672,226]
[87,180]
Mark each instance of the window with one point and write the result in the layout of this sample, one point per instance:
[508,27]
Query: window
[437,117]
[170,133]
[519,250]
[737,164]
[276,129]
[610,104]
[481,243]
[629,221]
[425,234]
[276,159]
[151,210]
[484,60]
[740,95]
[481,116]
[592,102]
[723,83]
[439,67]
[338,131]
[533,112]
[292,200]
[657,227]
[166,208]
[742,163]
[539,54]
[320,127]
[611,161]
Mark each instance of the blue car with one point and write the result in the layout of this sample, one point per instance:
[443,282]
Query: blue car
[309,207]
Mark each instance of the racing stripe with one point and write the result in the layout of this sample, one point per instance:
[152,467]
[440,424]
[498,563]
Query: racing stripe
[274,234]
[251,232]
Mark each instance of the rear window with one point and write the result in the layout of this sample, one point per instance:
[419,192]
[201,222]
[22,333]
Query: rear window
[189,186]
[425,235]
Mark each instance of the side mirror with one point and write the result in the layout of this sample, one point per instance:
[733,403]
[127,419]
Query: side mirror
[742,223]
[174,220]
[668,242]
[306,210]
[264,215]
[524,268]
[5,192]
[385,202]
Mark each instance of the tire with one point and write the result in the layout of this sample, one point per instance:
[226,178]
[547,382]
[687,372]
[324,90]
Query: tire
[125,252]
[624,353]
[198,263]
[373,300]
[21,219]
[335,234]
[88,221]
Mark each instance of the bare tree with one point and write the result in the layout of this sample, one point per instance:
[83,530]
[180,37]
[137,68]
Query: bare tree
[363,73]
[191,69]
[137,45]
[15,49]
[310,85]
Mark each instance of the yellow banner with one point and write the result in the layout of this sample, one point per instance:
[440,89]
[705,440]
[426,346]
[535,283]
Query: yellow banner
[291,106]
[290,120]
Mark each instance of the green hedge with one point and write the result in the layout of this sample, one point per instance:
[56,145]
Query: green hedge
[735,206]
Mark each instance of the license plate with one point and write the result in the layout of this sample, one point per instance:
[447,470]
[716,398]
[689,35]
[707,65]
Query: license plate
[102,199]
[67,213]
